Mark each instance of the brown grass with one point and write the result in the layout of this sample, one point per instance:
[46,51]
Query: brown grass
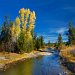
[13,57]
[67,53]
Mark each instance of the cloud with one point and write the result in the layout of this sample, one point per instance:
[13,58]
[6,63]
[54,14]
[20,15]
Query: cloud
[47,37]
[53,37]
[53,34]
[58,30]
[64,38]
[62,30]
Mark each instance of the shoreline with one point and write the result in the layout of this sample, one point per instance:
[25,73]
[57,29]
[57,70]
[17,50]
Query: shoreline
[67,59]
[6,60]
[66,53]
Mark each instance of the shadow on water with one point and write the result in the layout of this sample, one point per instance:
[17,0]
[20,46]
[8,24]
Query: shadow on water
[43,65]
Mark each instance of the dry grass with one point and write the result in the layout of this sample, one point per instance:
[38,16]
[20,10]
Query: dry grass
[68,53]
[13,57]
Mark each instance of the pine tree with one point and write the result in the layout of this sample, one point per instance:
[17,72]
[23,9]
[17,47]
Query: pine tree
[59,41]
[71,34]
[34,41]
[49,44]
[5,36]
[42,41]
[38,44]
[56,45]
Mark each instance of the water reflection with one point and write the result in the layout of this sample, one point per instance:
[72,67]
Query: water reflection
[45,65]
[22,68]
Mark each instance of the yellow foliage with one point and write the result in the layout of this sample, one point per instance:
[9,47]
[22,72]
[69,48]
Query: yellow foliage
[12,29]
[28,35]
[21,11]
[28,11]
[17,21]
[27,19]
[34,15]
[17,31]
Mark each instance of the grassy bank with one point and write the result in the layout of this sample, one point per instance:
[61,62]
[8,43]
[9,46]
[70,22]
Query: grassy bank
[68,57]
[69,53]
[10,58]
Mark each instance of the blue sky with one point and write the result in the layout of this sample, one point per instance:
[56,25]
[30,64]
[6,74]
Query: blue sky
[52,16]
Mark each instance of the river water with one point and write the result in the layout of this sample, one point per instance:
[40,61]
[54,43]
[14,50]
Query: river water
[43,65]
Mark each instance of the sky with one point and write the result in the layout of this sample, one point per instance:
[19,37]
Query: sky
[52,16]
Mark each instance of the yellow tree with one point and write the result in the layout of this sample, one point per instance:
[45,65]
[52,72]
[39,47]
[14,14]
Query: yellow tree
[12,28]
[27,19]
[24,15]
[17,28]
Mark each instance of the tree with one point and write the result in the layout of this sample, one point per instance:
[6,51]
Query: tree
[49,44]
[59,41]
[27,19]
[34,41]
[18,35]
[5,35]
[15,32]
[41,41]
[21,43]
[38,44]
[71,34]
[56,45]
[30,46]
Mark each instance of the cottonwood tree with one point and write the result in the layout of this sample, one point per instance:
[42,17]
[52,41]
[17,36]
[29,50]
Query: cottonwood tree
[27,21]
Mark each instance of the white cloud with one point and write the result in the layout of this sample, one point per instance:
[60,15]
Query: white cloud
[47,37]
[61,30]
[53,34]
[58,30]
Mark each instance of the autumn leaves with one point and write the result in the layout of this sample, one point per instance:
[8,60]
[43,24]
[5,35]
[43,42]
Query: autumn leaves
[19,33]
[24,22]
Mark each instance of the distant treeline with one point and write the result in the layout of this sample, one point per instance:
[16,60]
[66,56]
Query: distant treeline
[71,38]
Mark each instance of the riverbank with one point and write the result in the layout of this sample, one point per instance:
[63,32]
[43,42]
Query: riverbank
[11,58]
[68,57]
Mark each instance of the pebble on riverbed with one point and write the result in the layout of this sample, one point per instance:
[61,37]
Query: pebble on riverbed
[63,73]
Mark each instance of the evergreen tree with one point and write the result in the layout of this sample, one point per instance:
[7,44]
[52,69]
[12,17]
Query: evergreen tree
[56,45]
[38,44]
[5,35]
[59,41]
[34,41]
[49,44]
[71,34]
[41,41]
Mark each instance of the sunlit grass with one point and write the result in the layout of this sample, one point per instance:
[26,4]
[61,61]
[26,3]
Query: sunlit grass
[69,53]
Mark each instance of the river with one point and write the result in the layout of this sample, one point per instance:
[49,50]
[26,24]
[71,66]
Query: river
[42,65]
